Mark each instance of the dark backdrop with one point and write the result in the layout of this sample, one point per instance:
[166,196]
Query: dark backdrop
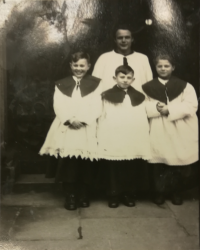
[40,38]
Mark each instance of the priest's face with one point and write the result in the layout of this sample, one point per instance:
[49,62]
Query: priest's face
[124,81]
[164,69]
[80,68]
[123,41]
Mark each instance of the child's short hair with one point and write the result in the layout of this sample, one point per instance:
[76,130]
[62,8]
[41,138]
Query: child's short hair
[125,69]
[80,55]
[164,57]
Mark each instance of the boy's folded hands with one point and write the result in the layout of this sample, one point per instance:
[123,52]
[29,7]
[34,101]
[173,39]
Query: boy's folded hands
[74,124]
[162,108]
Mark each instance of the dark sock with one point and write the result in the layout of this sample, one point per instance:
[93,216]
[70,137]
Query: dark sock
[84,190]
[69,188]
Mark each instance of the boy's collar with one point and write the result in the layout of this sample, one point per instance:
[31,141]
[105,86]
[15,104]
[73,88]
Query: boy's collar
[125,90]
[76,79]
[116,95]
[163,81]
[156,90]
[88,85]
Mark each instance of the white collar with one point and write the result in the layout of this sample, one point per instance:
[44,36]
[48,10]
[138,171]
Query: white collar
[162,80]
[76,79]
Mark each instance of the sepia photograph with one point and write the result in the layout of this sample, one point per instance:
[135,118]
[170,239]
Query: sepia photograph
[99,124]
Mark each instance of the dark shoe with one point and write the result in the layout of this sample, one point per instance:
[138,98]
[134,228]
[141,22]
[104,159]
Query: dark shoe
[159,199]
[84,202]
[177,199]
[71,202]
[113,201]
[84,191]
[128,200]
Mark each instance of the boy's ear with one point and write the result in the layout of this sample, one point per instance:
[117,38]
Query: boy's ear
[173,68]
[114,78]
[89,65]
[133,79]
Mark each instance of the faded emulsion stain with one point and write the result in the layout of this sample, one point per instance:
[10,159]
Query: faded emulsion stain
[42,34]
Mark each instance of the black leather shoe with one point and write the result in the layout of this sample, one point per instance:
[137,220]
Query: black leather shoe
[159,199]
[84,202]
[177,199]
[128,200]
[71,202]
[113,201]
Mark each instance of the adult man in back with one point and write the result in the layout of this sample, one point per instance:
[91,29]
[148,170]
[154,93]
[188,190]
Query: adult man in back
[121,55]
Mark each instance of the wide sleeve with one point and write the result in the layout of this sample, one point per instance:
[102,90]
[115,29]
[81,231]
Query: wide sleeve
[147,70]
[151,109]
[62,107]
[99,67]
[186,107]
[91,108]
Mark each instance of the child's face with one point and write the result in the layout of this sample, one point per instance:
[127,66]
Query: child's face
[80,68]
[164,69]
[124,81]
